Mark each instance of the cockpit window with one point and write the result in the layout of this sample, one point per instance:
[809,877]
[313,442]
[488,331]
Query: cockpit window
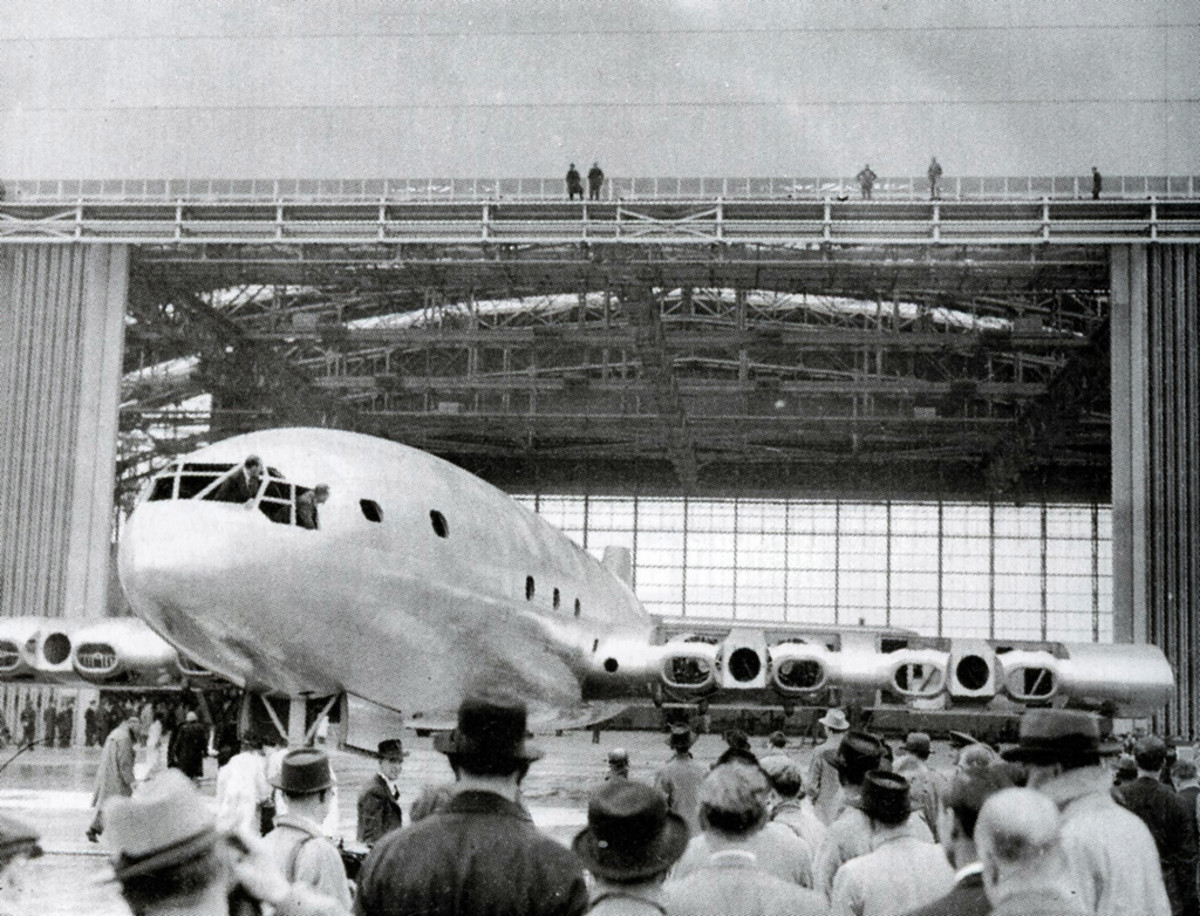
[274,496]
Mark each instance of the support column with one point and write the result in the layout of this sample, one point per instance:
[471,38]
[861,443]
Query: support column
[1156,460]
[62,323]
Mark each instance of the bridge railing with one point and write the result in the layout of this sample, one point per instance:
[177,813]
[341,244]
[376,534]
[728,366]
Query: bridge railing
[1068,187]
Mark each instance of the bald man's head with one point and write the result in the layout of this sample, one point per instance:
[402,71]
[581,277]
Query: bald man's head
[1017,835]
[1016,826]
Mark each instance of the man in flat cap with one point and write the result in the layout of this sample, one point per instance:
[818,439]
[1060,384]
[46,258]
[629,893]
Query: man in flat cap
[379,801]
[629,844]
[482,853]
[1112,855]
[1169,820]
[680,777]
[299,846]
[900,872]
[169,858]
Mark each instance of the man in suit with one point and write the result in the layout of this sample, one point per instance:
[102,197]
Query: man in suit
[1170,821]
[307,514]
[482,854]
[379,801]
[242,485]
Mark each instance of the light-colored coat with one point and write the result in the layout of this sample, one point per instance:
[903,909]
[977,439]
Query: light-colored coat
[241,787]
[1112,854]
[776,849]
[679,780]
[900,874]
[801,818]
[821,783]
[733,883]
[307,858]
[115,777]
[849,837]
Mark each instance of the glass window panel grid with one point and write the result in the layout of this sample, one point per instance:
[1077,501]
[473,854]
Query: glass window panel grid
[1005,571]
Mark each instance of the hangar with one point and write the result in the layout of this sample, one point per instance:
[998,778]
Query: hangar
[1012,351]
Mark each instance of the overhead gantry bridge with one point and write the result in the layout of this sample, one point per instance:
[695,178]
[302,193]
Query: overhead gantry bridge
[765,335]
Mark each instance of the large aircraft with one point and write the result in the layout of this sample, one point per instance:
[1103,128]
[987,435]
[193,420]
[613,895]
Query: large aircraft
[420,579]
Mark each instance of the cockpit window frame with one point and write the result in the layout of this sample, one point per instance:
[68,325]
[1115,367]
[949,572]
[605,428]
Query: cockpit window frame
[269,505]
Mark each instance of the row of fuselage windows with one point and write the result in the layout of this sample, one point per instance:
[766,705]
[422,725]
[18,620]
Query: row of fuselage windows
[531,591]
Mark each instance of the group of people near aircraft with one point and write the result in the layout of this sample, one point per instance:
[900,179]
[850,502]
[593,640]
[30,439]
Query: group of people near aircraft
[858,828]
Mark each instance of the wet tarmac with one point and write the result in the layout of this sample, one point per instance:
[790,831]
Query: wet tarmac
[52,789]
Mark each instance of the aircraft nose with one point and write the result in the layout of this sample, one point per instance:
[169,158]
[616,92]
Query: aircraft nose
[170,551]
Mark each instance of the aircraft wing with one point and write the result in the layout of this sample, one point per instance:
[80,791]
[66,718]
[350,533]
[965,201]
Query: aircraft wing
[111,653]
[794,664]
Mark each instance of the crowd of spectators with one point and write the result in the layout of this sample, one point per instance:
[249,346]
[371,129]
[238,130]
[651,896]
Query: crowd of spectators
[858,829]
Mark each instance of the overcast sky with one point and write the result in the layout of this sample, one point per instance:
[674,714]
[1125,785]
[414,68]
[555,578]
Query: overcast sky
[295,88]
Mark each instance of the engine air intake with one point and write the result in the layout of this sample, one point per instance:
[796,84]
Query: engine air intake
[96,657]
[800,674]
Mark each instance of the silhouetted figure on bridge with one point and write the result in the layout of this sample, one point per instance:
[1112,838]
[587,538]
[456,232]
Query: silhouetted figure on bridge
[574,183]
[1097,183]
[866,181]
[935,175]
[595,181]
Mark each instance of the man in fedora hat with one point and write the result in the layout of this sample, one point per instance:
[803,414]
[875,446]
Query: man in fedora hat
[299,845]
[850,835]
[742,863]
[481,853]
[821,782]
[379,801]
[1113,857]
[1170,820]
[900,872]
[629,844]
[680,777]
[169,858]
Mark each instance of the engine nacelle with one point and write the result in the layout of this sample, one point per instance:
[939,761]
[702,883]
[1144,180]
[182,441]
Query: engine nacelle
[917,674]
[623,667]
[124,651]
[1029,676]
[801,669]
[21,646]
[36,649]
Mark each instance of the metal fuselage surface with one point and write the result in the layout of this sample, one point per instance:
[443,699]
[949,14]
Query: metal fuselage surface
[392,610]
